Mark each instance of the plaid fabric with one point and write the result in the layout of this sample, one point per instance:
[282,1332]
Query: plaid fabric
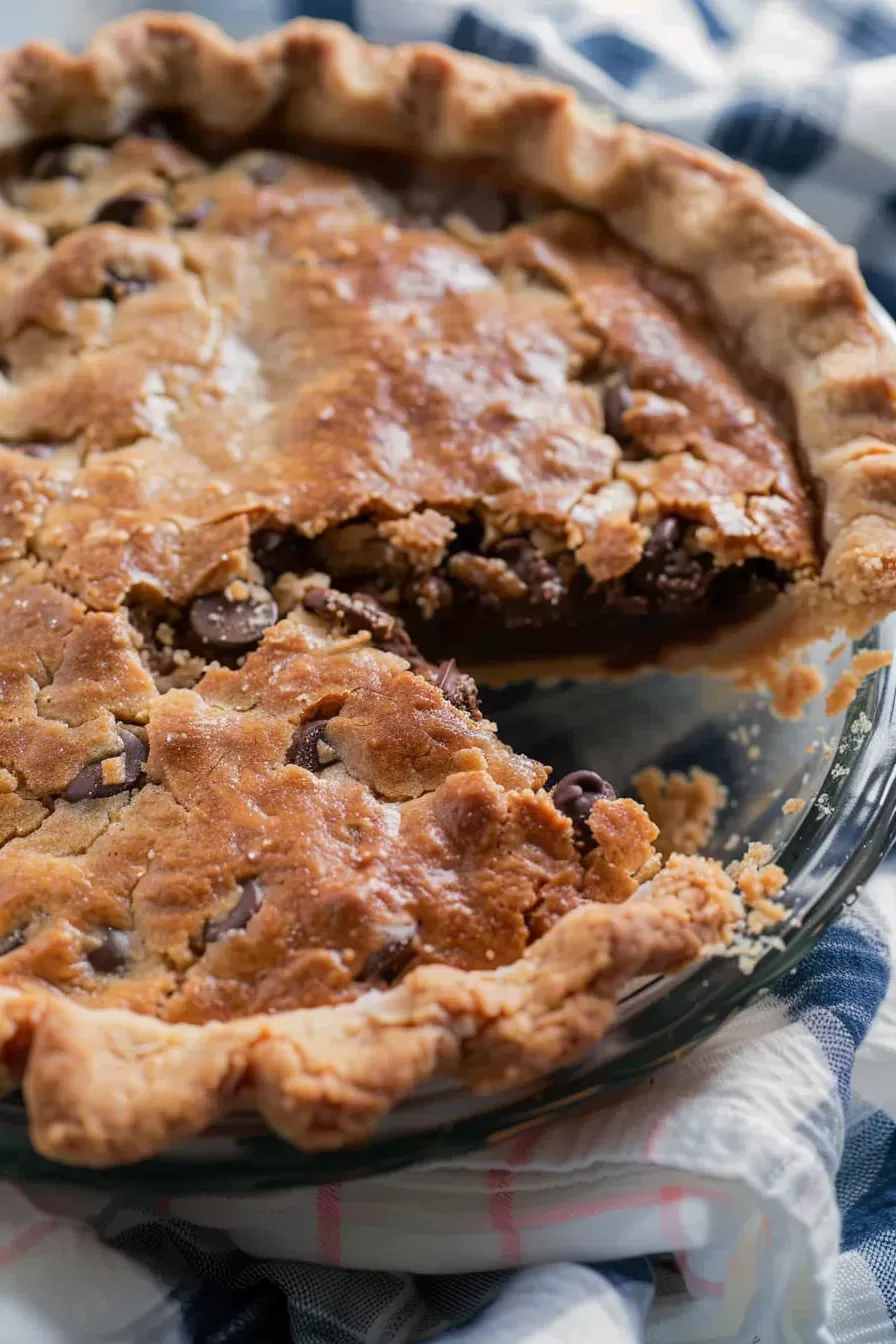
[747,1195]
[800,89]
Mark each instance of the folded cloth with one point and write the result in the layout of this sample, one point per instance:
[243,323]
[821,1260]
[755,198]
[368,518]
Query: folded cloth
[749,1192]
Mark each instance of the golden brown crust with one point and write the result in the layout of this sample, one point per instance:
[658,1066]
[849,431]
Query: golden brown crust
[295,360]
[105,1086]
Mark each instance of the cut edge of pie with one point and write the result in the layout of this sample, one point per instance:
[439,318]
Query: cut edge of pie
[111,1085]
[791,295]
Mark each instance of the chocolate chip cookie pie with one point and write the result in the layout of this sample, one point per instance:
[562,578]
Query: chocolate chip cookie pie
[331,372]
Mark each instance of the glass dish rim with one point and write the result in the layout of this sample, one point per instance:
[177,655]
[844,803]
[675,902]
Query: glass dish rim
[657,1023]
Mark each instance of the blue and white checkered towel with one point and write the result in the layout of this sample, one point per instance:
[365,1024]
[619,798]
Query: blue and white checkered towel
[749,1193]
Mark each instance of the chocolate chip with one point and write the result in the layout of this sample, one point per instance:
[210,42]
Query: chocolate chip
[666,536]
[125,210]
[249,903]
[546,587]
[233,624]
[91,782]
[575,795]
[15,938]
[458,688]
[118,286]
[392,958]
[112,954]
[54,162]
[482,205]
[356,611]
[267,540]
[152,125]
[667,577]
[282,552]
[195,215]
[266,172]
[617,400]
[304,748]
[161,123]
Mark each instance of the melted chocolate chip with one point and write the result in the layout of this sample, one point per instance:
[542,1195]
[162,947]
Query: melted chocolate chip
[124,210]
[54,162]
[361,611]
[249,903]
[356,611]
[118,286]
[280,552]
[617,400]
[15,938]
[266,172]
[458,688]
[303,750]
[667,577]
[392,958]
[267,540]
[575,795]
[227,624]
[161,123]
[112,954]
[152,125]
[489,210]
[546,588]
[190,218]
[91,783]
[666,536]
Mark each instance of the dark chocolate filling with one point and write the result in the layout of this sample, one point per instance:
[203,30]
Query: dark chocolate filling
[670,598]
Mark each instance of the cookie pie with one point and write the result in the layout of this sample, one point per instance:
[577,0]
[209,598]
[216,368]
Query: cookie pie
[330,372]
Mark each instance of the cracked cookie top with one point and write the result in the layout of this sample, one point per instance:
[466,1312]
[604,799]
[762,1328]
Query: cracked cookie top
[195,353]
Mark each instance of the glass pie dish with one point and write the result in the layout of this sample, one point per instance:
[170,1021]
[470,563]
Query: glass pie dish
[843,771]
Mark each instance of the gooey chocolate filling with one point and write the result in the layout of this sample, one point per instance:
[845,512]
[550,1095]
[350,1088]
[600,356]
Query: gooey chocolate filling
[671,597]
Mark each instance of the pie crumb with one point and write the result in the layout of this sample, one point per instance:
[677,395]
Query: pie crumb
[792,689]
[237,590]
[792,805]
[760,882]
[842,693]
[683,806]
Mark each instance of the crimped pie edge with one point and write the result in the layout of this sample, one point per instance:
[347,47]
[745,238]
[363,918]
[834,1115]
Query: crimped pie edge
[107,1086]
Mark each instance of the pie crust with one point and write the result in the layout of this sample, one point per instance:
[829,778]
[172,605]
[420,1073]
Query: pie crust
[109,1084]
